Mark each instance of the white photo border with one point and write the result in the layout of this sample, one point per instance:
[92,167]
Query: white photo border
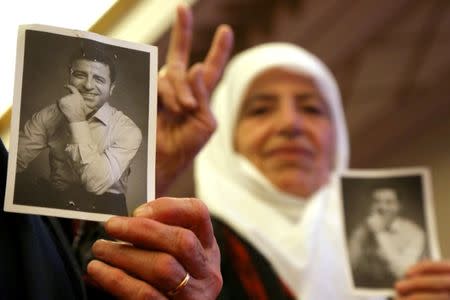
[15,120]
[429,214]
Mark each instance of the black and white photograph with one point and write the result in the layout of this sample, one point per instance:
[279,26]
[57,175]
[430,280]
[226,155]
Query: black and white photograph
[389,226]
[83,125]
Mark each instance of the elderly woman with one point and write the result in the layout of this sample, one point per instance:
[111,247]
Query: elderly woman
[267,177]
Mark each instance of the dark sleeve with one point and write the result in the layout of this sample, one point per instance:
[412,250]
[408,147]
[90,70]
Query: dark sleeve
[34,263]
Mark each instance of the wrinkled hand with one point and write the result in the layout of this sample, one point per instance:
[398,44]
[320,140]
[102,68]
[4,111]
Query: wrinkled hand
[426,280]
[185,121]
[72,105]
[168,238]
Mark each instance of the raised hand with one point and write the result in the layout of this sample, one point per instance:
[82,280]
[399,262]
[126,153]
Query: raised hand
[167,239]
[72,105]
[377,222]
[185,121]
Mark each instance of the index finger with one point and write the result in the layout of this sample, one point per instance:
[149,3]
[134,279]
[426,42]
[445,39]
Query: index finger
[189,213]
[180,38]
[72,89]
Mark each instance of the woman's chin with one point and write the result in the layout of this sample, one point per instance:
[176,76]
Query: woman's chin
[295,187]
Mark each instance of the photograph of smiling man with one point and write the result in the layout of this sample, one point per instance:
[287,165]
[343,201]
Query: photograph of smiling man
[389,226]
[83,125]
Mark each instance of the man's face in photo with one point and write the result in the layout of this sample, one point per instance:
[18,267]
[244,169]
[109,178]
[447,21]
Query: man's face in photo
[386,203]
[93,80]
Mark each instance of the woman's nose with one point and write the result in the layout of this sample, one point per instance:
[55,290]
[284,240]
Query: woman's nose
[289,119]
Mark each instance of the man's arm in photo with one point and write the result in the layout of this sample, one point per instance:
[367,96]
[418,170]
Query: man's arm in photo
[401,257]
[98,170]
[33,138]
[356,244]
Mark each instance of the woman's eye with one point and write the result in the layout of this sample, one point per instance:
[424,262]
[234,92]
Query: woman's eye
[313,110]
[259,110]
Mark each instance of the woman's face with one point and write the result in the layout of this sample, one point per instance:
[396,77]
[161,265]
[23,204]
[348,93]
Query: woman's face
[284,128]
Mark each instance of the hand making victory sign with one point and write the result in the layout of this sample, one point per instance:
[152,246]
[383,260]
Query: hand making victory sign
[170,251]
[185,121]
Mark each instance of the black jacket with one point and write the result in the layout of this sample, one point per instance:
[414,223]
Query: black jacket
[36,258]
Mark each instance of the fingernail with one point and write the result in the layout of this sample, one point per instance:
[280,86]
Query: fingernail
[116,224]
[93,267]
[143,210]
[97,248]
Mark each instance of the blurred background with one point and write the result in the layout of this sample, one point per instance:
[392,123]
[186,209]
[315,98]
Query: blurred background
[391,60]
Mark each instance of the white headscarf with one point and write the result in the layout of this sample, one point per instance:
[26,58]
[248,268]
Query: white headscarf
[301,239]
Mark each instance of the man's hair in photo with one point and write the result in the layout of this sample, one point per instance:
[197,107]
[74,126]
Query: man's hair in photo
[93,52]
[385,188]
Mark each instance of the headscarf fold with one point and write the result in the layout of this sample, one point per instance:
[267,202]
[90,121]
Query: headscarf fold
[299,237]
